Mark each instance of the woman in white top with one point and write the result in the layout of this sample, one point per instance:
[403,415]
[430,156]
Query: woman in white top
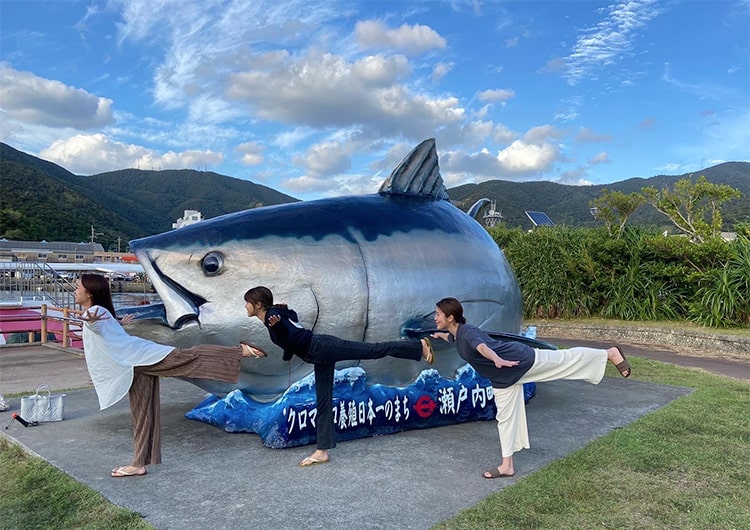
[121,364]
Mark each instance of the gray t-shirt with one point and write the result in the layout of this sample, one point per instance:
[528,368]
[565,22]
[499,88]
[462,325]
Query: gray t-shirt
[469,337]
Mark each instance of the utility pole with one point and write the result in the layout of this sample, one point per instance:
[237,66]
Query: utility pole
[118,244]
[94,234]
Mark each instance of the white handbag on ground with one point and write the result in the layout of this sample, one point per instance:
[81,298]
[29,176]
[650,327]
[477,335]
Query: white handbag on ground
[43,406]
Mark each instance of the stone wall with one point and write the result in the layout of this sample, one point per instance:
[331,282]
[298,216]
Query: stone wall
[688,342]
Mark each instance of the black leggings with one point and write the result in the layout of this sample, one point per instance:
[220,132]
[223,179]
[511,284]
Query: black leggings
[325,351]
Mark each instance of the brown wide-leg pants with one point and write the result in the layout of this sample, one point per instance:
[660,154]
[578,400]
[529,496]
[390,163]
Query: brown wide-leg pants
[205,361]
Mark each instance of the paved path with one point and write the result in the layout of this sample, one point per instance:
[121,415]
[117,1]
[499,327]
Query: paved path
[213,480]
[23,368]
[737,369]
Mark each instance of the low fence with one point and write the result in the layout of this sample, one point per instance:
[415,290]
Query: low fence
[50,324]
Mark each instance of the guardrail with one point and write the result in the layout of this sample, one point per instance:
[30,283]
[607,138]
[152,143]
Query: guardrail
[37,278]
[44,324]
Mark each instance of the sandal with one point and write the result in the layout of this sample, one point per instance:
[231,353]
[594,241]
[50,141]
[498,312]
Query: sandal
[623,366]
[123,472]
[310,461]
[494,473]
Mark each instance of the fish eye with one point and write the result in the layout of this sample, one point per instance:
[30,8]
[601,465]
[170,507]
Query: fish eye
[212,263]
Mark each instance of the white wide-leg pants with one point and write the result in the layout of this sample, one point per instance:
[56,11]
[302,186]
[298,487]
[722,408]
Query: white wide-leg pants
[585,364]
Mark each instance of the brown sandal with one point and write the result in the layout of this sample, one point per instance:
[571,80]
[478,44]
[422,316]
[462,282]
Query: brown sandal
[623,366]
[494,473]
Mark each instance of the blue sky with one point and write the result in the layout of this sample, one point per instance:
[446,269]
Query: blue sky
[324,98]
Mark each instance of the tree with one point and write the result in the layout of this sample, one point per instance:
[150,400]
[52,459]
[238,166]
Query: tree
[693,207]
[14,225]
[614,208]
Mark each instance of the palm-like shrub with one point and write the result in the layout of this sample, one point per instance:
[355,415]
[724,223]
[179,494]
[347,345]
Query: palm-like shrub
[723,299]
[568,273]
[555,270]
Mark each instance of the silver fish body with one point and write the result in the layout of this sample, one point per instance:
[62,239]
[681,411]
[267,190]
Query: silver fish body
[357,267]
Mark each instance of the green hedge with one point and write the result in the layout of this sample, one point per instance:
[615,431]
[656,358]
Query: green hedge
[580,272]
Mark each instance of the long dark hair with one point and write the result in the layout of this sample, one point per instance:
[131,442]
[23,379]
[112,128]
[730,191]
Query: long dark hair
[262,295]
[98,287]
[451,306]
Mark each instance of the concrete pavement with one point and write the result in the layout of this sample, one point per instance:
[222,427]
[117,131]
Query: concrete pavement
[212,479]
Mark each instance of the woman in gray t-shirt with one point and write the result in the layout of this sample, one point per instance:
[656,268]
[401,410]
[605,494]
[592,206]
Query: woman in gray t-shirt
[508,365]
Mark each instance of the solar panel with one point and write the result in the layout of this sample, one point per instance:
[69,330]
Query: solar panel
[539,219]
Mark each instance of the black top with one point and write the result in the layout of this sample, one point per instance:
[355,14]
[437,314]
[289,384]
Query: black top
[288,333]
[469,337]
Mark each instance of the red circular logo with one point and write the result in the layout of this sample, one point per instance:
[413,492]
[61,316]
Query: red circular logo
[424,407]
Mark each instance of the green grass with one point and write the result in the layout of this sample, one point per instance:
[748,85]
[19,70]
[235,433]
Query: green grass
[36,495]
[685,466]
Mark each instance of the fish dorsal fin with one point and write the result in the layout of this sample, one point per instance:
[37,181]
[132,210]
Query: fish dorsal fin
[417,174]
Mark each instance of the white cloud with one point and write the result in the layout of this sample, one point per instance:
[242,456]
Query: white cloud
[391,158]
[201,41]
[473,135]
[440,70]
[459,167]
[574,177]
[30,99]
[326,158]
[522,157]
[569,109]
[519,161]
[252,153]
[333,186]
[411,40]
[307,184]
[96,153]
[610,40]
[321,91]
[226,73]
[671,168]
[541,134]
[500,94]
[600,158]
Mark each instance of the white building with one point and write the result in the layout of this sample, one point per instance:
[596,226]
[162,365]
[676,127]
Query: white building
[189,217]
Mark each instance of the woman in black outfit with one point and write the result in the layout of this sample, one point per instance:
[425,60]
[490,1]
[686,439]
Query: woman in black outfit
[323,351]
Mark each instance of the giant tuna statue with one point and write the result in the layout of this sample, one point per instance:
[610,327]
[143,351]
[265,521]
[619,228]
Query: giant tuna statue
[360,267]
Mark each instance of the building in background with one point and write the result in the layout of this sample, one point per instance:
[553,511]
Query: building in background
[189,217]
[51,252]
[59,252]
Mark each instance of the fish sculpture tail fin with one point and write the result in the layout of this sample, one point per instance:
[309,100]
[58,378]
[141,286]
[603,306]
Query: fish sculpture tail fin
[477,207]
[417,174]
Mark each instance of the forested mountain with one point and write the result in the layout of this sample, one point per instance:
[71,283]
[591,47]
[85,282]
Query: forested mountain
[41,200]
[569,205]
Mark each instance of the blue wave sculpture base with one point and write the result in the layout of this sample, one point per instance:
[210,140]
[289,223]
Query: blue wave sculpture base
[360,410]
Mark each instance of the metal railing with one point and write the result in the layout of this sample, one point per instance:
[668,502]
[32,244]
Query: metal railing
[37,281]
